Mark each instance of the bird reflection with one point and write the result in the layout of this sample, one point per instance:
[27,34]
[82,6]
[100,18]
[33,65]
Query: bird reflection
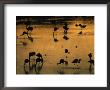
[91,62]
[65,37]
[55,37]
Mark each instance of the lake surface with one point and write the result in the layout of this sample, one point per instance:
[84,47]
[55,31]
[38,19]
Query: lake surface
[52,47]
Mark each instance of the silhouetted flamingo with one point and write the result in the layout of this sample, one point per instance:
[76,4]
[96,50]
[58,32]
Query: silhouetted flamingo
[76,46]
[24,33]
[90,55]
[65,28]
[55,39]
[26,61]
[62,61]
[90,59]
[76,25]
[39,60]
[80,32]
[65,37]
[76,61]
[39,55]
[82,26]
[91,62]
[66,51]
[29,28]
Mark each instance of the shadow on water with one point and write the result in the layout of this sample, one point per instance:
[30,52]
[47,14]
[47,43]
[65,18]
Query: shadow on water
[91,63]
[90,69]
[26,71]
[38,69]
[34,68]
[60,72]
[55,38]
[35,65]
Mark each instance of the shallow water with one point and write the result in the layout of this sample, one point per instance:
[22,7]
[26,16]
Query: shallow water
[52,52]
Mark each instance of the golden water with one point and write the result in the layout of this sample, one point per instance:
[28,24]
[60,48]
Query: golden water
[43,42]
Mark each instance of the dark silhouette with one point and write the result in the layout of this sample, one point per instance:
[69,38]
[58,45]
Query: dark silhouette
[26,61]
[65,31]
[90,59]
[90,55]
[39,55]
[55,28]
[55,39]
[65,37]
[91,62]
[80,33]
[82,26]
[29,28]
[27,23]
[76,61]
[90,68]
[65,28]
[62,61]
[31,54]
[76,25]
[39,60]
[24,33]
[76,46]
[66,51]
[30,38]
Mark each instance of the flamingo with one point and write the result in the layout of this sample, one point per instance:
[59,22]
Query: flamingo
[62,61]
[76,61]
[80,32]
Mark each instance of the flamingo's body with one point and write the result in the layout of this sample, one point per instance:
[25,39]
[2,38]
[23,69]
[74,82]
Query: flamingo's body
[80,32]
[29,28]
[62,61]
[76,61]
